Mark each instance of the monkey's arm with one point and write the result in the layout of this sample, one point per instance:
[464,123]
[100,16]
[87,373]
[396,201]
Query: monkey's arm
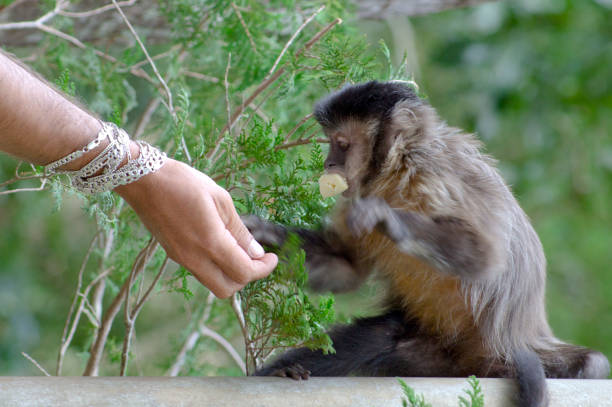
[448,243]
[329,262]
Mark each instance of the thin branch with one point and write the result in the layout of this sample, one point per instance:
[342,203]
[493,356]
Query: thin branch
[100,10]
[376,9]
[65,341]
[248,33]
[156,57]
[38,22]
[170,106]
[20,178]
[297,126]
[160,273]
[226,86]
[293,37]
[42,369]
[192,339]
[97,348]
[200,76]
[142,259]
[235,301]
[13,191]
[206,331]
[212,153]
[146,117]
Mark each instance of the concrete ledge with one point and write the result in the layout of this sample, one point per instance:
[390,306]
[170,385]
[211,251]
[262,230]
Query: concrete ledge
[275,392]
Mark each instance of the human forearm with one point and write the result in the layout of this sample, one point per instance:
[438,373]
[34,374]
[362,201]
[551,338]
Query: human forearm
[37,123]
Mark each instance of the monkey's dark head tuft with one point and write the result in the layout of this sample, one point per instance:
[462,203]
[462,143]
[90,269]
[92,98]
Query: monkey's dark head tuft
[363,101]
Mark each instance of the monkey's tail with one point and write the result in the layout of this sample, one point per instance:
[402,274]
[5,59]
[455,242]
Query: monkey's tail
[531,379]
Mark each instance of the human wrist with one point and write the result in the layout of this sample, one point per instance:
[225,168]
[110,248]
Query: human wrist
[114,165]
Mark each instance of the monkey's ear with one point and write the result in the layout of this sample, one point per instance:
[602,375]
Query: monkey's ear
[412,124]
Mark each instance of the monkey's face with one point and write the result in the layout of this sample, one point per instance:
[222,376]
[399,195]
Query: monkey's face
[350,151]
[362,122]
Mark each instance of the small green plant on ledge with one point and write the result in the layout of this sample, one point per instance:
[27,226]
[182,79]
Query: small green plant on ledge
[474,398]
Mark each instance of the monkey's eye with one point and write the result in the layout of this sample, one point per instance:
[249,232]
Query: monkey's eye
[343,144]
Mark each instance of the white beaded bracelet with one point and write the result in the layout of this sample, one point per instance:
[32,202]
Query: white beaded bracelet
[108,161]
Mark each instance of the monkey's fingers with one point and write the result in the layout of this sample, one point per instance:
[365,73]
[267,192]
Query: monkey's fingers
[266,233]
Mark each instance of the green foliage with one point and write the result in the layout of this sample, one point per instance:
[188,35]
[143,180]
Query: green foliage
[474,393]
[279,312]
[411,398]
[476,397]
[179,283]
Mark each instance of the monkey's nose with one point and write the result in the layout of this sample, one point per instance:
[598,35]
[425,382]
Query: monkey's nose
[328,165]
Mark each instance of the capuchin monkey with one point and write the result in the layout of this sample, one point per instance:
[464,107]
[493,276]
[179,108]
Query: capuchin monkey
[428,212]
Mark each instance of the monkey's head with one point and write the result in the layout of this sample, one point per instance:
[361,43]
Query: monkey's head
[363,122]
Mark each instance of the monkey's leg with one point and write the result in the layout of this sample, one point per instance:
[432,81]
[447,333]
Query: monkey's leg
[328,262]
[448,243]
[385,345]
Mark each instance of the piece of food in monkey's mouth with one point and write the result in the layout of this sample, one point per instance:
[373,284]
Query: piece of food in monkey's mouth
[332,184]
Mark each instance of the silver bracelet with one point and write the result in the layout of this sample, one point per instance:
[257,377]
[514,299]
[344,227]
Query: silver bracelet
[149,160]
[108,161]
[104,132]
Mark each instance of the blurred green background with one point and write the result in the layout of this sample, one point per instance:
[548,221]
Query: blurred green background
[532,78]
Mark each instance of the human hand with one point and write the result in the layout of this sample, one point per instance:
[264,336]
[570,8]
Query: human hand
[195,221]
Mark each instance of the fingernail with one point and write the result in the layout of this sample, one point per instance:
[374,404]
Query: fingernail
[255,250]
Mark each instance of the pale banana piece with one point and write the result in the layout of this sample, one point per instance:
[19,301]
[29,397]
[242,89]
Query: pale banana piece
[332,184]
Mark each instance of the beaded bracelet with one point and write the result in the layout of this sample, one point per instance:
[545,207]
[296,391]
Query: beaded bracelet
[103,173]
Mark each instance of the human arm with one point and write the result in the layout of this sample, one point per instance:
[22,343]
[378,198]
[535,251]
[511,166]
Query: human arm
[192,217]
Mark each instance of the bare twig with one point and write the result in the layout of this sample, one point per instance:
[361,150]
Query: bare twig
[293,37]
[147,294]
[138,267]
[297,126]
[376,9]
[93,12]
[200,76]
[248,33]
[97,348]
[207,332]
[65,341]
[250,354]
[156,57]
[192,338]
[31,359]
[13,191]
[146,116]
[19,178]
[212,153]
[169,105]
[226,85]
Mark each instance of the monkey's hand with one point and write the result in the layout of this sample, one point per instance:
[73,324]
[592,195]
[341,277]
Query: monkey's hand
[266,233]
[369,213]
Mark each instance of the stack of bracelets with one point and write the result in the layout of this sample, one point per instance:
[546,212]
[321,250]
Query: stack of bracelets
[103,172]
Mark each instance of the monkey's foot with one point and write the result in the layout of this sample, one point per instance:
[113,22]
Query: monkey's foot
[295,372]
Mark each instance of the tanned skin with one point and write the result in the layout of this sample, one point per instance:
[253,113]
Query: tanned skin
[428,212]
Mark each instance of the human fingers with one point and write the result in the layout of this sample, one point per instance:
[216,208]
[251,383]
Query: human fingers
[233,223]
[237,264]
[210,275]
